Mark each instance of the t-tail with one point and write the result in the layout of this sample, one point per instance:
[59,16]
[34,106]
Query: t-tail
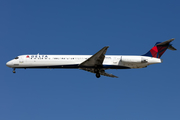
[159,48]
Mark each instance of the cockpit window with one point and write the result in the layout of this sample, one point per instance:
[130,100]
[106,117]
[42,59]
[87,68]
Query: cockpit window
[16,58]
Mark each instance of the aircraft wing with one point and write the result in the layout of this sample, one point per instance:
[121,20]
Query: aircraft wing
[102,72]
[96,60]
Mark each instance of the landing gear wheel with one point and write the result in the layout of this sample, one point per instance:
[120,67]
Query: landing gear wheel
[98,75]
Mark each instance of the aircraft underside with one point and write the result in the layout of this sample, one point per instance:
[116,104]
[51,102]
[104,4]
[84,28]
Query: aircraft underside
[98,70]
[77,66]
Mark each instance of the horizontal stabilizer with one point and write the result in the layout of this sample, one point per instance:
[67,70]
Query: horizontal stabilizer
[166,42]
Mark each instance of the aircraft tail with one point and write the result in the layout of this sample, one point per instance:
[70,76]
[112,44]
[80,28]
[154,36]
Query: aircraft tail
[159,48]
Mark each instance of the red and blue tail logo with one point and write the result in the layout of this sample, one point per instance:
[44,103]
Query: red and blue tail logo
[159,48]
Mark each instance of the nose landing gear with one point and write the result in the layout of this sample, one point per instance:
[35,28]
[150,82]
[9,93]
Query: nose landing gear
[14,70]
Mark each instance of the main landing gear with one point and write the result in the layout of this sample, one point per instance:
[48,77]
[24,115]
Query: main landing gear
[14,70]
[97,73]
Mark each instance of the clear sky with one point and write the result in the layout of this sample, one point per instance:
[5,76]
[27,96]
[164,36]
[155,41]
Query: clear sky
[83,27]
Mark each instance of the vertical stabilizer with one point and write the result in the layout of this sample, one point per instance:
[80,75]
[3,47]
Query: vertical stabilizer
[160,47]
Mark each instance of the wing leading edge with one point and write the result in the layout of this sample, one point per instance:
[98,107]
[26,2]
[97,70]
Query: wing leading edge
[96,60]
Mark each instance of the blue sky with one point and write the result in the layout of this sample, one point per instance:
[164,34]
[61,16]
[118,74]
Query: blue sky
[84,27]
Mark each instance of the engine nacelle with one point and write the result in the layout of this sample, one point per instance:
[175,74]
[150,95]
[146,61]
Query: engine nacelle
[133,59]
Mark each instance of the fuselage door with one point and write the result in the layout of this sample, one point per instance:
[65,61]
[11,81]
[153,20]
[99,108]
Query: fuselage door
[21,60]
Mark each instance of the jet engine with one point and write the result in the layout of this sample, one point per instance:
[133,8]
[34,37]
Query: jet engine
[133,59]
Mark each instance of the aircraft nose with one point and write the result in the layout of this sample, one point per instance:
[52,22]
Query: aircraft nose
[9,64]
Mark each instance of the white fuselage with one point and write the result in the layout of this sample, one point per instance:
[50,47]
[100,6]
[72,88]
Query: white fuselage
[73,61]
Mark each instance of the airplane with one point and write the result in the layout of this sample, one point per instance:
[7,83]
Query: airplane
[96,63]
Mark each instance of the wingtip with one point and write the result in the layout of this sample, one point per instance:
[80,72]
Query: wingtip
[106,47]
[172,39]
